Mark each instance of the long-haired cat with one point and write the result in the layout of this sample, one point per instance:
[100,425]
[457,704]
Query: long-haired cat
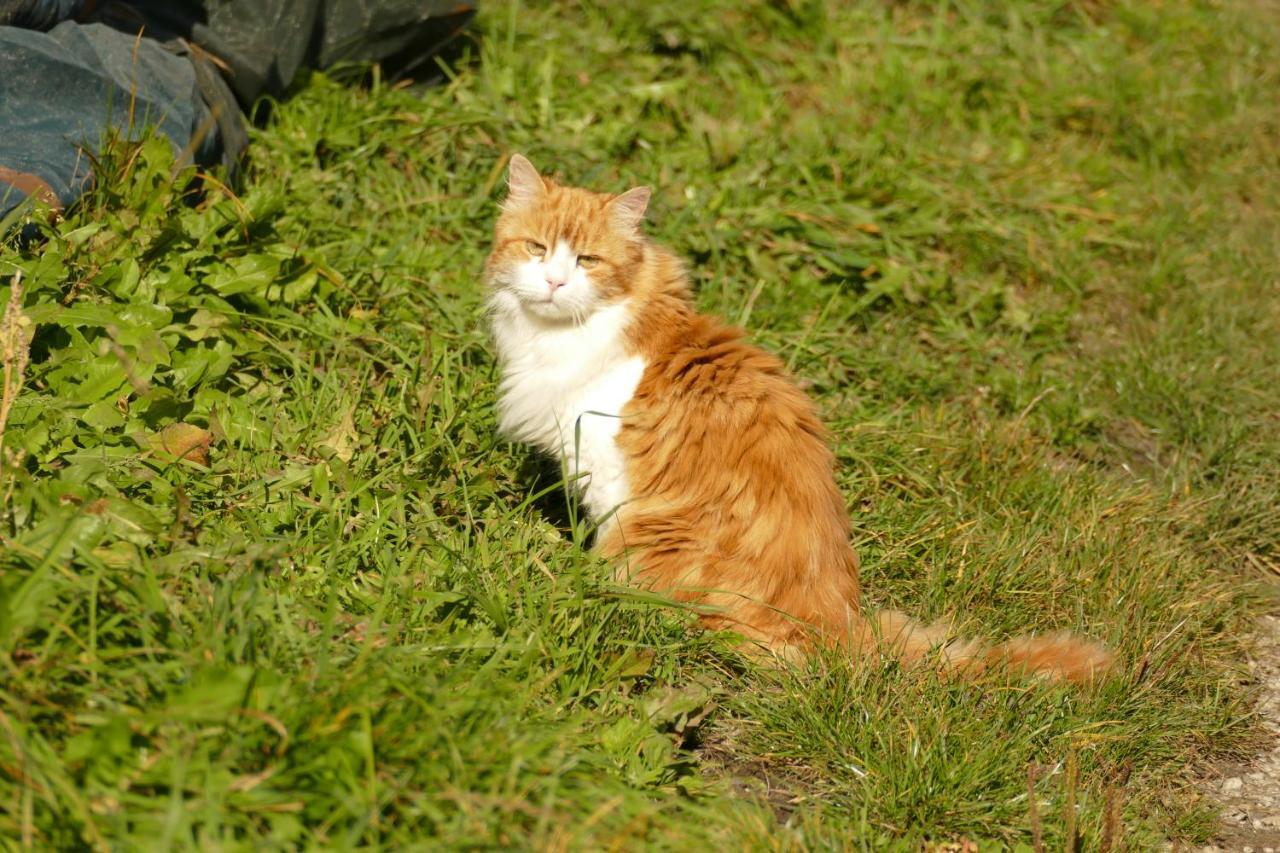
[704,467]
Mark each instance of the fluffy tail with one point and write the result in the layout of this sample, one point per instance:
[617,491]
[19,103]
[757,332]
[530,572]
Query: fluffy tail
[1060,656]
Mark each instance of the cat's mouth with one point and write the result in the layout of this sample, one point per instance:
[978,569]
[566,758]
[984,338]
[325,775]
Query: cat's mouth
[545,305]
[552,310]
[547,300]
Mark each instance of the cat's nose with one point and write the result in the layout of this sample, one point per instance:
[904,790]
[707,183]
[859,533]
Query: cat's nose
[555,281]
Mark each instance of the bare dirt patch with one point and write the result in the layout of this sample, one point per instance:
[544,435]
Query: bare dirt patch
[1251,792]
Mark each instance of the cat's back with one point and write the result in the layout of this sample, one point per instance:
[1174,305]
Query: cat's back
[710,367]
[732,475]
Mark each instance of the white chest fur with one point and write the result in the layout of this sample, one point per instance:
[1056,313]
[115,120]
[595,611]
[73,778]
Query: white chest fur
[563,390]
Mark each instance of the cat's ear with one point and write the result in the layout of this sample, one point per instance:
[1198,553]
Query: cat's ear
[628,208]
[524,184]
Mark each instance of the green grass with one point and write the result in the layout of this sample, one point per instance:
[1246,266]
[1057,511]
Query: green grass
[1024,255]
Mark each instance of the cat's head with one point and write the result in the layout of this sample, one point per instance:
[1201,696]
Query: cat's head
[561,253]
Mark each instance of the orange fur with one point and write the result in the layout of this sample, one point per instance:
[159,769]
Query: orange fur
[733,503]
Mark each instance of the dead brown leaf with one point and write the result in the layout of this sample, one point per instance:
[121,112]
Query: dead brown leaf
[182,441]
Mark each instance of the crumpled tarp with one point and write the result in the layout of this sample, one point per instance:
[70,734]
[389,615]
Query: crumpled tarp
[72,69]
[38,14]
[61,90]
[264,43]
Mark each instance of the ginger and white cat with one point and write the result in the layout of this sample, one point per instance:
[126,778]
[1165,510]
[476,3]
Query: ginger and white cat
[705,467]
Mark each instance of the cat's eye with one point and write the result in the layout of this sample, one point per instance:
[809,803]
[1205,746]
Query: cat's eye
[588,261]
[536,249]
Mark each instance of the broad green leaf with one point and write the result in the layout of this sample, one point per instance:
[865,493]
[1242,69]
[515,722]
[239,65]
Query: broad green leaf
[103,415]
[245,274]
